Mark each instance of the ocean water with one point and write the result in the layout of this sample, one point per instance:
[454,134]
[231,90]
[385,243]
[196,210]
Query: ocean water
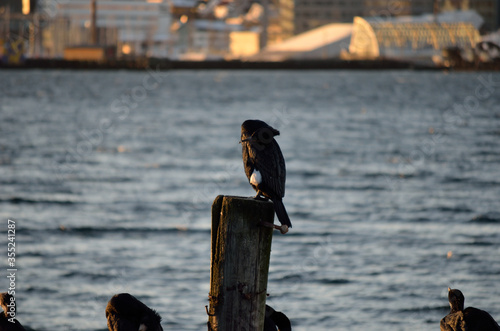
[393,189]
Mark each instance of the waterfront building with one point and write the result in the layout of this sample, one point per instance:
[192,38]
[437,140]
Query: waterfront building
[302,15]
[416,37]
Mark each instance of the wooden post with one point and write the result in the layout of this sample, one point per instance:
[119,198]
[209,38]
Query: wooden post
[241,249]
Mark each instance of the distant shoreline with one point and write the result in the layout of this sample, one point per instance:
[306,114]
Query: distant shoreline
[165,64]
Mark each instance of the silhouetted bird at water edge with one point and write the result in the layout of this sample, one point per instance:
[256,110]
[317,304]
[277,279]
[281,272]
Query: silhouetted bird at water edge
[125,313]
[8,322]
[276,321]
[265,166]
[469,319]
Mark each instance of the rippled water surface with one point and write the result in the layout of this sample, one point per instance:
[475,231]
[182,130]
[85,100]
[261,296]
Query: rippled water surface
[393,189]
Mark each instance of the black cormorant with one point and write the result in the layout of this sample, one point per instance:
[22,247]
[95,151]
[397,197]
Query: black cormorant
[265,166]
[7,316]
[125,313]
[469,319]
[276,320]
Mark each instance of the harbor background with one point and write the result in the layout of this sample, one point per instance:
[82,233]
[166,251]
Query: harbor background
[392,189]
[459,34]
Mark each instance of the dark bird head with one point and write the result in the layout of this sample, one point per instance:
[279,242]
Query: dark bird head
[258,131]
[275,320]
[5,299]
[456,299]
[124,312]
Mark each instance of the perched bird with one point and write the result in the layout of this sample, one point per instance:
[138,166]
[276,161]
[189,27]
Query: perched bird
[265,166]
[276,320]
[7,316]
[125,313]
[469,319]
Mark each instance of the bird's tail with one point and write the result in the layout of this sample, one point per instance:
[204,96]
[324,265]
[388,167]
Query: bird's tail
[280,210]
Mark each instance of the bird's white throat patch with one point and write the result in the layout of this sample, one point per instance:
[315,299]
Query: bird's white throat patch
[255,178]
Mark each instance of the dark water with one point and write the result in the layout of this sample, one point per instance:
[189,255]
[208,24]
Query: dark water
[110,177]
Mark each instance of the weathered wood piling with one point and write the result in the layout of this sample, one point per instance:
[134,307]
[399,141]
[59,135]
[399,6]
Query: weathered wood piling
[240,252]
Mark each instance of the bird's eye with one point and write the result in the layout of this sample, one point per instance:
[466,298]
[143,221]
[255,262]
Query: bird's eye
[265,135]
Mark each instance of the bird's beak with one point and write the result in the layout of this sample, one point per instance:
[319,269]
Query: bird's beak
[449,289]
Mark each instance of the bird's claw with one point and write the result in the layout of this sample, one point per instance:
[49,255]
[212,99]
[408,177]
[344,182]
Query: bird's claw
[260,197]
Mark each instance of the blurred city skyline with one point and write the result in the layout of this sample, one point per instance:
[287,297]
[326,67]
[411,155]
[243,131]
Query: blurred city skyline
[225,29]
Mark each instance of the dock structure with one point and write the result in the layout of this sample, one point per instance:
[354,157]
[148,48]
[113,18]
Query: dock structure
[240,253]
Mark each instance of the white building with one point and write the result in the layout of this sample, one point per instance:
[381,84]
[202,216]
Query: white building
[325,42]
[422,36]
